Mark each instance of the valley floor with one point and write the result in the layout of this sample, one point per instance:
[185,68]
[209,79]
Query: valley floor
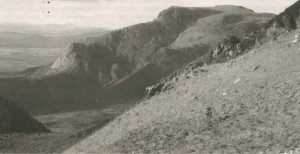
[248,105]
[66,130]
[15,60]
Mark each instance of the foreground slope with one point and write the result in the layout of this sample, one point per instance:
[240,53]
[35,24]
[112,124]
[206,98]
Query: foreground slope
[119,65]
[250,104]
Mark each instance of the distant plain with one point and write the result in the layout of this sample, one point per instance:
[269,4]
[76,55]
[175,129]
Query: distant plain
[14,60]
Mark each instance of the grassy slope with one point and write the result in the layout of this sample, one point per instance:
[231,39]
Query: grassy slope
[258,113]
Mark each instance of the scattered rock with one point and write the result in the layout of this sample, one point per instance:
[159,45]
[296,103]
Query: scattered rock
[252,52]
[167,87]
[224,94]
[255,68]
[231,63]
[294,41]
[237,80]
[216,51]
[154,90]
[195,65]
[297,36]
[230,53]
[175,79]
[203,70]
[187,77]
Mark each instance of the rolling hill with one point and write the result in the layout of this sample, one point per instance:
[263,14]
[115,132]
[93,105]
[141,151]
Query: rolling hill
[15,120]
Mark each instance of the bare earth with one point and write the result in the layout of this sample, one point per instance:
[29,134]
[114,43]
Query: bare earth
[248,105]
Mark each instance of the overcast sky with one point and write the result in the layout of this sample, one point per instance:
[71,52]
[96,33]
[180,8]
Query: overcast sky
[111,14]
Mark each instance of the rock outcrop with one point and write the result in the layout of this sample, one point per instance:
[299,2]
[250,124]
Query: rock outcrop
[154,90]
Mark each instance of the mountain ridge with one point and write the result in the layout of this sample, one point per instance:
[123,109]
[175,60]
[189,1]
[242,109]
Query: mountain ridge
[134,51]
[121,54]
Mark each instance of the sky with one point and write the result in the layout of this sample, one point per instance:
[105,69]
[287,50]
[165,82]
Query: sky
[111,14]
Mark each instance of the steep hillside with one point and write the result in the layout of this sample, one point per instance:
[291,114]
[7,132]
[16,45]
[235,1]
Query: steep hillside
[247,105]
[119,65]
[15,120]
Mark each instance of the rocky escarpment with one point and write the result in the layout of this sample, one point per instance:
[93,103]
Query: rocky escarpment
[15,120]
